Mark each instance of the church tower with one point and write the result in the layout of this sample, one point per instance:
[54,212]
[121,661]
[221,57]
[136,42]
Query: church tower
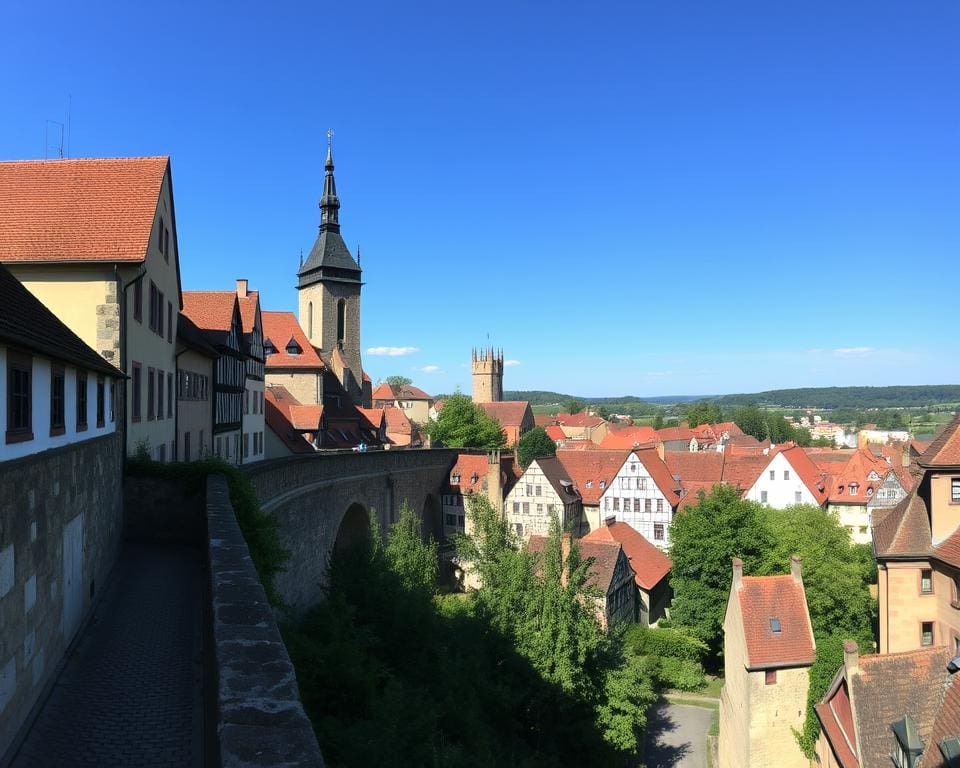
[329,287]
[487,369]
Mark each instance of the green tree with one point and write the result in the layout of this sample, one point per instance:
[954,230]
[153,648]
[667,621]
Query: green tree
[398,381]
[704,539]
[535,444]
[463,424]
[658,421]
[703,412]
[751,420]
[573,405]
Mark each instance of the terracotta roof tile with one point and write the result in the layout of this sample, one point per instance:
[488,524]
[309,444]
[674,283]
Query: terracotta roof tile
[210,310]
[79,210]
[855,475]
[605,555]
[588,469]
[582,419]
[509,413]
[248,310]
[661,474]
[650,566]
[946,725]
[843,743]
[742,471]
[555,433]
[277,404]
[672,434]
[383,392]
[944,451]
[631,437]
[698,467]
[306,418]
[279,328]
[471,469]
[904,530]
[763,598]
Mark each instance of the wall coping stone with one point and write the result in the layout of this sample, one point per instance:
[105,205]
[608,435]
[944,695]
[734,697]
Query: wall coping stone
[260,717]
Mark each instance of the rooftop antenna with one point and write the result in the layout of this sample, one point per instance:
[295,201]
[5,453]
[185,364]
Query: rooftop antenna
[46,139]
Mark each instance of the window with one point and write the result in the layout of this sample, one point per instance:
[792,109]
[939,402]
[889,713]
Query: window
[551,508]
[455,478]
[160,244]
[775,625]
[451,520]
[770,677]
[926,633]
[159,395]
[160,313]
[853,489]
[926,581]
[81,400]
[603,484]
[763,497]
[152,321]
[955,490]
[589,483]
[170,322]
[658,531]
[633,467]
[101,400]
[526,507]
[186,446]
[537,490]
[648,505]
[636,504]
[642,483]
[773,474]
[292,347]
[341,322]
[150,394]
[138,300]
[625,483]
[516,507]
[519,528]
[19,397]
[659,505]
[786,474]
[137,387]
[57,396]
[246,445]
[616,503]
[539,509]
[797,497]
[169,395]
[529,489]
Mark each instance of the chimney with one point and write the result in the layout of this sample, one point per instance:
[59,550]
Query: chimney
[660,449]
[737,573]
[851,657]
[495,481]
[609,520]
[241,288]
[795,569]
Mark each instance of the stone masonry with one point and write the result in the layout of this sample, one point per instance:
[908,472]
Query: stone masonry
[108,325]
[39,495]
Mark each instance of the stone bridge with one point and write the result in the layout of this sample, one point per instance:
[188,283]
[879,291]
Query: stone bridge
[326,499]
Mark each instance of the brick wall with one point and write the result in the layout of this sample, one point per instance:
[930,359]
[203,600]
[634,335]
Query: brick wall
[39,495]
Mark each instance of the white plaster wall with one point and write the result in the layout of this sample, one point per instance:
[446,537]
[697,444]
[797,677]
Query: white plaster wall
[41,410]
[633,481]
[253,422]
[537,519]
[781,489]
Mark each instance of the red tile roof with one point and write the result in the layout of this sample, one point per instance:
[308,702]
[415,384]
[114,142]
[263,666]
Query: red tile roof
[510,413]
[468,467]
[944,451]
[836,718]
[675,433]
[763,598]
[399,428]
[698,467]
[661,474]
[587,469]
[210,310]
[742,471]
[630,437]
[691,496]
[855,475]
[543,419]
[248,309]
[582,419]
[279,328]
[812,476]
[729,427]
[650,565]
[604,553]
[277,403]
[79,210]
[305,418]
[555,433]
[383,392]
[945,725]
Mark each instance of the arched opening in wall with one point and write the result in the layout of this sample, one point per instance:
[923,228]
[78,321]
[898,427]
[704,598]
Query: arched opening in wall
[341,322]
[354,528]
[309,319]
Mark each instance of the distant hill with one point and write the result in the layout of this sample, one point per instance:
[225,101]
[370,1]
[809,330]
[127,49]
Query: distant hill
[810,397]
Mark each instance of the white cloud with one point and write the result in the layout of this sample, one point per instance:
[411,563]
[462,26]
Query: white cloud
[392,351]
[511,362]
[853,351]
[430,369]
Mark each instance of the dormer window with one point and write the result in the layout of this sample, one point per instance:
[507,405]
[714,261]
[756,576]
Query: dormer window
[589,483]
[603,483]
[268,348]
[474,477]
[455,478]
[292,347]
[869,491]
[854,488]
[907,746]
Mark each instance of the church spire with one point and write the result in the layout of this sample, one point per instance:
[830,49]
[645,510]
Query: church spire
[329,203]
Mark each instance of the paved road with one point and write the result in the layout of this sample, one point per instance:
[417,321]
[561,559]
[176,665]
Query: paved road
[131,692]
[677,736]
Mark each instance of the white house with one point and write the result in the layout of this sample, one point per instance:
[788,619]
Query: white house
[789,477]
[644,495]
[543,493]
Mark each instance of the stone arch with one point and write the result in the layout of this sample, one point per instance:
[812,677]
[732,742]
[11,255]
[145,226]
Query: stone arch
[354,527]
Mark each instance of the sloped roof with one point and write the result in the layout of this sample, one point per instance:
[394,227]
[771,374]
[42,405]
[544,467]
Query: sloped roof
[904,530]
[557,476]
[193,337]
[26,322]
[856,473]
[671,434]
[277,402]
[742,471]
[581,419]
[588,468]
[660,473]
[509,413]
[383,392]
[630,437]
[210,310]
[946,725]
[763,598]
[729,427]
[306,418]
[329,257]
[604,553]
[554,432]
[944,451]
[248,310]
[468,467]
[543,419]
[697,467]
[279,328]
[79,210]
[650,566]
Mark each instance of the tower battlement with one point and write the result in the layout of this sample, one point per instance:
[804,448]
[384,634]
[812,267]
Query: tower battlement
[487,368]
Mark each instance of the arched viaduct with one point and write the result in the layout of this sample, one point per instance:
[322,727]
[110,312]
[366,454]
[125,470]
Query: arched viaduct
[323,497]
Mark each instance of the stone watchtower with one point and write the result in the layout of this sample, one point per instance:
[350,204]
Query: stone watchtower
[487,369]
[329,287]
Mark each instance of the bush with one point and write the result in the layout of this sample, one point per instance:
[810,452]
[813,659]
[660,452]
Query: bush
[682,674]
[259,528]
[672,643]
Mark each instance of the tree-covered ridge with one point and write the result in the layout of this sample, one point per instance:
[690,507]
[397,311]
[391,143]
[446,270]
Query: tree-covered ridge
[917,396]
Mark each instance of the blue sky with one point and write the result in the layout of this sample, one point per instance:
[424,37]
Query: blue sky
[643,198]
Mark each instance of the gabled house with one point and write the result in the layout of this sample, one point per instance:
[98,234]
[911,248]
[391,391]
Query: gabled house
[650,566]
[678,439]
[644,495]
[291,360]
[592,471]
[917,547]
[217,315]
[853,487]
[514,416]
[543,493]
[253,417]
[768,649]
[96,241]
[900,709]
[583,426]
[492,475]
[291,430]
[789,477]
[196,359]
[413,401]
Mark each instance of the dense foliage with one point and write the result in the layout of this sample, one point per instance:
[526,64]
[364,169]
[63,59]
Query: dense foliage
[517,673]
[836,574]
[535,444]
[676,656]
[849,397]
[463,424]
[769,425]
[398,381]
[703,412]
[259,528]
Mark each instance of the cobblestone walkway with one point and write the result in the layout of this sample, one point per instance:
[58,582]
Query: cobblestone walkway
[130,694]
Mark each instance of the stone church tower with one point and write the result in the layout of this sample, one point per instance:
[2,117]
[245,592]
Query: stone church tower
[487,369]
[329,288]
